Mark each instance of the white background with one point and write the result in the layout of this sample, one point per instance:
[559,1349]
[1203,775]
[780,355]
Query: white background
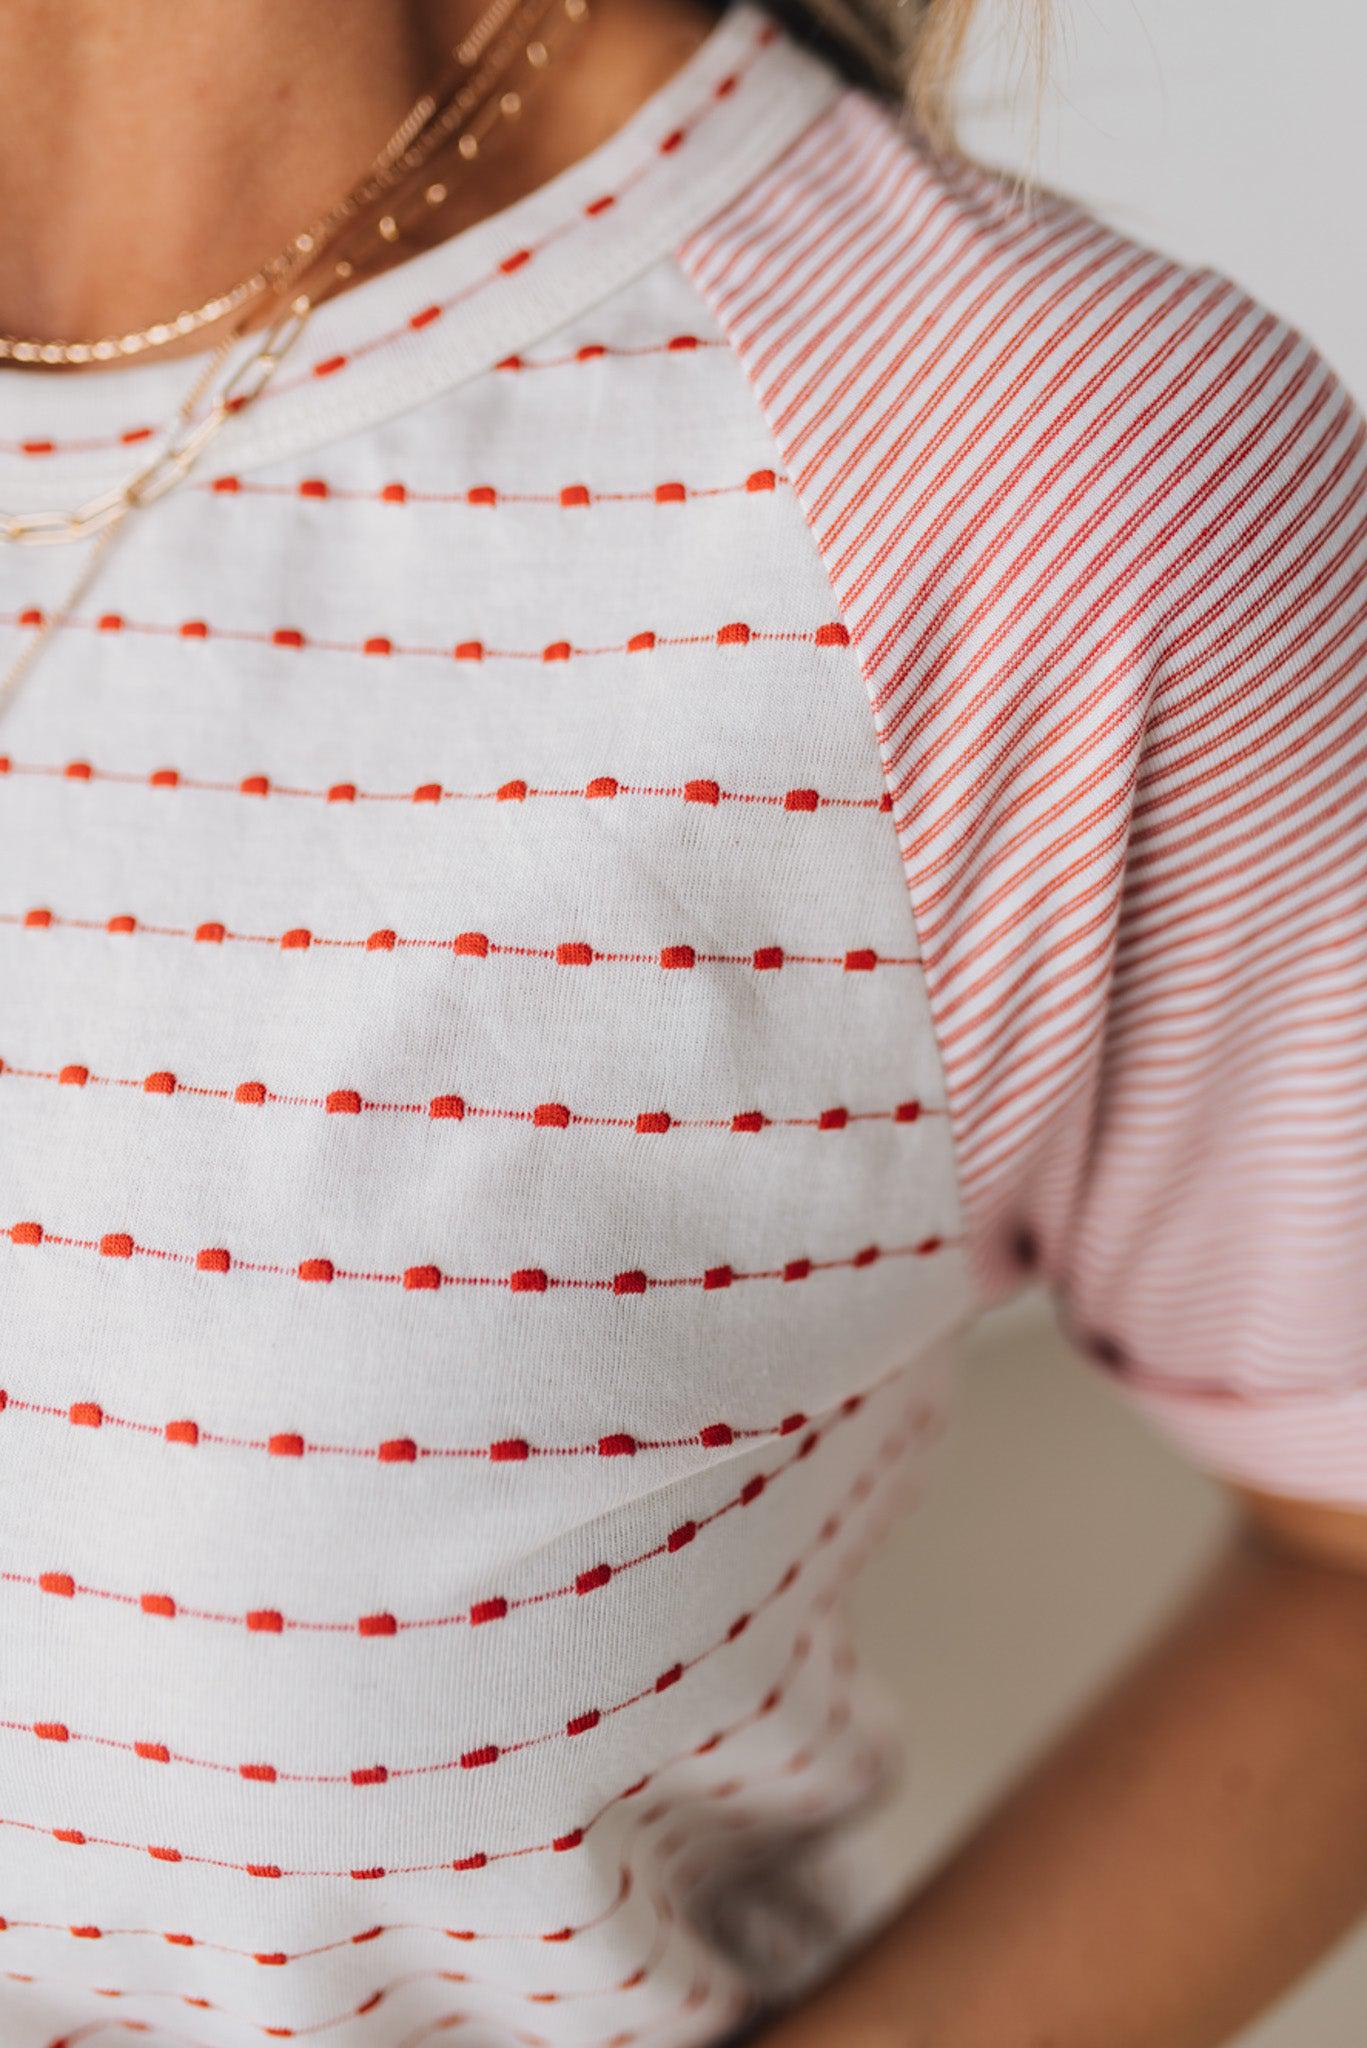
[1230,132]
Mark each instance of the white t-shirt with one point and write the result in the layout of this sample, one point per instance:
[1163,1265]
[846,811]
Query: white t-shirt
[725,764]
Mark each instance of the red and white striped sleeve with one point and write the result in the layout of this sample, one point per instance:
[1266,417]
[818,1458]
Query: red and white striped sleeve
[1098,527]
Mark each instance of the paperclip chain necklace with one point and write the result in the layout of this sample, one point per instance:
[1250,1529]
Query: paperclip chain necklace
[463,114]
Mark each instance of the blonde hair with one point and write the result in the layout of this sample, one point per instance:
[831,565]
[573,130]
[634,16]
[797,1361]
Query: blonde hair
[909,48]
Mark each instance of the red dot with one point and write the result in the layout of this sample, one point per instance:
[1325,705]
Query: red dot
[258,1774]
[561,1843]
[633,1282]
[862,960]
[422,1279]
[679,1538]
[316,1269]
[250,1092]
[574,953]
[767,958]
[488,1610]
[52,1731]
[182,1432]
[678,956]
[512,793]
[528,1280]
[398,1450]
[206,934]
[74,1077]
[640,643]
[737,634]
[194,629]
[425,316]
[60,1583]
[717,1276]
[797,1269]
[395,494]
[86,1414]
[510,1450]
[602,785]
[582,1723]
[344,1102]
[558,650]
[833,635]
[160,1604]
[266,1621]
[287,1444]
[296,939]
[801,800]
[717,1435]
[26,1233]
[378,643]
[652,1122]
[907,1112]
[382,942]
[152,1752]
[116,1244]
[160,1084]
[668,1678]
[551,1116]
[617,1445]
[452,1106]
[833,1119]
[469,650]
[78,771]
[574,494]
[370,1774]
[287,636]
[470,946]
[476,1759]
[313,487]
[254,785]
[670,494]
[748,1120]
[589,1581]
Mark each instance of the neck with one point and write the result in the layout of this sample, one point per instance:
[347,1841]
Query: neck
[153,153]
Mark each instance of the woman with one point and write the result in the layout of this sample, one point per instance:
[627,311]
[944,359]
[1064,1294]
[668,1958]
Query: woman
[663,741]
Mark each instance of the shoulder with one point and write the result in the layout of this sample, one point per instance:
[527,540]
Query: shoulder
[976,388]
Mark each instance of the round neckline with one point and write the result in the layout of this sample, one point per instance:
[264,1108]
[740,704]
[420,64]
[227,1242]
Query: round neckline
[464,306]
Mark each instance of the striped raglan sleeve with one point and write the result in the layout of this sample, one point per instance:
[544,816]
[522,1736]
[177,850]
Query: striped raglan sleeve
[1190,1173]
[1097,525]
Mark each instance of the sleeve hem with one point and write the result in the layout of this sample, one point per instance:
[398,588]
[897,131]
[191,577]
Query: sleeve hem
[1302,1446]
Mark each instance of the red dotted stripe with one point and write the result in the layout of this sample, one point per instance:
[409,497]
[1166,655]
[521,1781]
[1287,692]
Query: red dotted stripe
[569,497]
[463,945]
[734,633]
[480,1755]
[494,1607]
[678,345]
[665,1920]
[431,1279]
[703,790]
[404,1450]
[473,1859]
[455,1109]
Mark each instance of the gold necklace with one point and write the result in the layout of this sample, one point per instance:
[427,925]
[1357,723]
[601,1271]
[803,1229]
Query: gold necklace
[185,437]
[399,150]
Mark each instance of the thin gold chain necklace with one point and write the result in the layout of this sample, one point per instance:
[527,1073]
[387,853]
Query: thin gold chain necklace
[465,119]
[160,333]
